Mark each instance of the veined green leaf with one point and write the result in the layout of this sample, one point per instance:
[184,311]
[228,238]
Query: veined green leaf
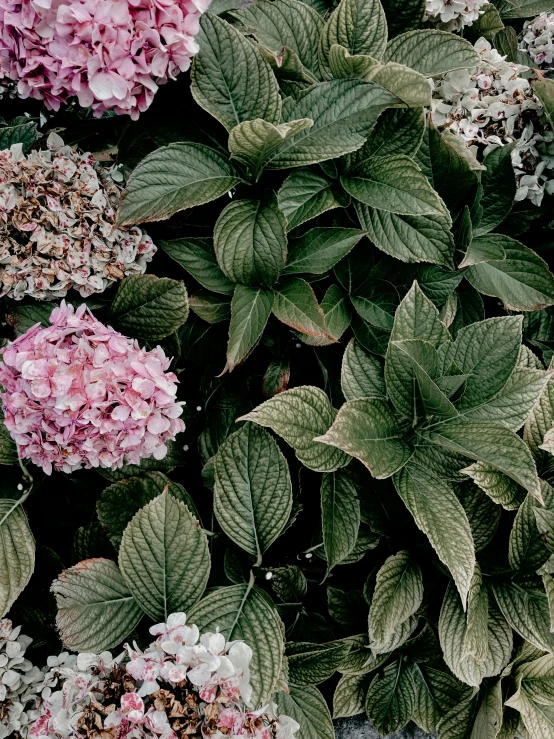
[197,256]
[498,486]
[320,249]
[252,142]
[431,52]
[391,698]
[408,85]
[307,707]
[250,311]
[306,194]
[17,552]
[527,613]
[296,305]
[361,374]
[311,664]
[340,516]
[349,696]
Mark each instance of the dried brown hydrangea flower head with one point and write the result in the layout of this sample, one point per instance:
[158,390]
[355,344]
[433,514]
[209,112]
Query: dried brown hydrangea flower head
[57,225]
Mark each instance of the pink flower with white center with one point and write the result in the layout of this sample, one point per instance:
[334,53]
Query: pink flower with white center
[68,398]
[110,55]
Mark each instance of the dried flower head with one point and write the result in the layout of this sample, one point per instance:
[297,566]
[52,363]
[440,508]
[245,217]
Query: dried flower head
[453,15]
[110,54]
[536,40]
[79,394]
[491,106]
[20,683]
[57,225]
[183,685]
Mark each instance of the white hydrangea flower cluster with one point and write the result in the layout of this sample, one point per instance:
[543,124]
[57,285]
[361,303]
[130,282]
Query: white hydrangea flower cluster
[491,106]
[57,225]
[183,685]
[20,683]
[536,40]
[453,15]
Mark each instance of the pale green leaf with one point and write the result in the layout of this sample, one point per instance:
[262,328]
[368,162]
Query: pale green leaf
[408,85]
[252,142]
[432,52]
[436,691]
[149,307]
[361,373]
[250,241]
[17,552]
[349,696]
[499,187]
[397,596]
[340,516]
[528,546]
[394,184]
[367,429]
[298,416]
[482,250]
[522,8]
[96,610]
[164,557]
[172,178]
[253,491]
[296,305]
[230,78]
[241,612]
[499,487]
[527,613]
[307,707]
[320,249]
[540,420]
[522,280]
[341,63]
[439,514]
[250,311]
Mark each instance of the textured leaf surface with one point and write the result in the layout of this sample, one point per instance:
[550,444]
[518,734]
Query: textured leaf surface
[308,708]
[340,516]
[164,557]
[320,249]
[305,195]
[439,514]
[361,374]
[311,664]
[197,256]
[252,142]
[250,311]
[230,79]
[431,52]
[499,487]
[296,305]
[397,596]
[149,307]
[349,696]
[172,178]
[253,491]
[527,613]
[248,614]
[298,416]
[367,429]
[391,698]
[96,610]
[250,241]
[17,552]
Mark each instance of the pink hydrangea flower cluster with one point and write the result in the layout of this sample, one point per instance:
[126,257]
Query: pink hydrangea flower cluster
[79,394]
[57,225]
[183,684]
[110,54]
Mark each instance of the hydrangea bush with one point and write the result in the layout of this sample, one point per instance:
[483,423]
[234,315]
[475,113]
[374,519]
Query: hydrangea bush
[278,355]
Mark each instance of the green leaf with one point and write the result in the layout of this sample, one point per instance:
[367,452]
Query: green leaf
[172,178]
[149,307]
[487,352]
[296,305]
[343,112]
[394,184]
[210,307]
[289,583]
[308,708]
[230,78]
[403,15]
[480,251]
[320,249]
[540,421]
[522,280]
[398,131]
[349,696]
[8,447]
[311,664]
[491,443]
[436,692]
[250,241]
[18,133]
[439,514]
[96,610]
[340,517]
[409,238]
[119,502]
[528,544]
[358,25]
[408,85]
[250,311]
[164,557]
[336,311]
[242,612]
[453,635]
[499,188]
[298,416]
[197,256]
[391,698]
[343,64]
[286,24]
[17,552]
[253,491]
[397,596]
[305,195]
[361,374]
[522,8]
[253,142]
[368,430]
[527,613]
[499,487]
[489,22]
[432,52]
[544,90]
